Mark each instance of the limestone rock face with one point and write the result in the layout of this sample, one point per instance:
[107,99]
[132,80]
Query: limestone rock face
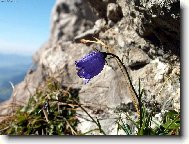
[70,18]
[146,37]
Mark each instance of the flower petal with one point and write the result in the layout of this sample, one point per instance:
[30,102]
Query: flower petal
[90,65]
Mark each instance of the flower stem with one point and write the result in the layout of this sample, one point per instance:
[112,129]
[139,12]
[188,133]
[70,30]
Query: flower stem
[131,87]
[134,96]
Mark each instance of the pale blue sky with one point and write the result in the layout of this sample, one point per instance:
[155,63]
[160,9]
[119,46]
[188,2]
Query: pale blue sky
[24,25]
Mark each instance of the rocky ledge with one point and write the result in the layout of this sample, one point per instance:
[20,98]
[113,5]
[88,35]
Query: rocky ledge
[145,34]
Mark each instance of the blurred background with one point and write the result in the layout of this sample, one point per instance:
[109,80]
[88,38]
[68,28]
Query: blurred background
[24,27]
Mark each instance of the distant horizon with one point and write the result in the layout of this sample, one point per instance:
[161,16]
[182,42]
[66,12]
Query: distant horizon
[19,53]
[16,54]
[24,26]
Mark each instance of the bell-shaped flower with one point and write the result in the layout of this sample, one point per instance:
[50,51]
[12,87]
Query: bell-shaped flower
[90,65]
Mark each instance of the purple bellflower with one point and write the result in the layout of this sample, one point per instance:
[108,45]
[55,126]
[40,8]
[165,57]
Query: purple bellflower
[90,65]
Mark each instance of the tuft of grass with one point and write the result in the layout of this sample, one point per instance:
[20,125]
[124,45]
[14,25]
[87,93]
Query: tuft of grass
[51,111]
[169,124]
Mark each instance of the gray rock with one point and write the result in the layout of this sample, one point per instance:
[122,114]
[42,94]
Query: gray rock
[70,18]
[114,12]
[160,20]
[121,41]
[138,58]
[99,26]
[100,7]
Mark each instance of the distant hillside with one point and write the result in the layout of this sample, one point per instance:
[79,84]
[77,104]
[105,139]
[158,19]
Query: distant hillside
[12,68]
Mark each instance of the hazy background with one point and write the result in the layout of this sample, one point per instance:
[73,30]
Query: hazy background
[24,27]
